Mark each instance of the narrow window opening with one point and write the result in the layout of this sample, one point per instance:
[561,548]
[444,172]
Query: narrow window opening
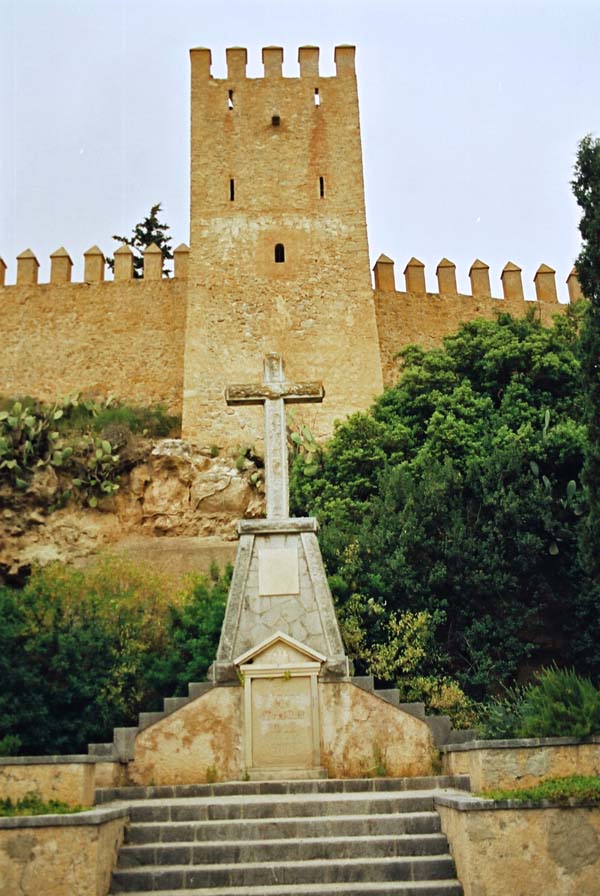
[230,100]
[322,187]
[317,97]
[275,121]
[279,253]
[231,189]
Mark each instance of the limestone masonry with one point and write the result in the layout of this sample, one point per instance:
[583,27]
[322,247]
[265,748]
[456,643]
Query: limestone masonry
[278,262]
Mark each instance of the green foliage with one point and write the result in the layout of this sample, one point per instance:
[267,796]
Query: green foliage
[194,630]
[28,440]
[560,704]
[10,745]
[32,804]
[586,187]
[80,437]
[499,718]
[458,495]
[82,651]
[149,231]
[562,791]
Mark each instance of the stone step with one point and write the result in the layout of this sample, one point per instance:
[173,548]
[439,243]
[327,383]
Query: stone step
[241,788]
[366,682]
[145,719]
[413,709]
[242,830]
[171,704]
[285,850]
[289,774]
[104,750]
[295,805]
[198,688]
[179,877]
[357,888]
[390,695]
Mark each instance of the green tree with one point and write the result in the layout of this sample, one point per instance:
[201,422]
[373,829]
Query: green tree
[148,231]
[83,651]
[458,495]
[586,187]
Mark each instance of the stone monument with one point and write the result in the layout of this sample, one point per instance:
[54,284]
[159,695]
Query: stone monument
[280,632]
[280,702]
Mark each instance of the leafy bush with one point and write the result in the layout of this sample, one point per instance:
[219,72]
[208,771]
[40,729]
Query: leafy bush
[563,791]
[458,495]
[10,745]
[83,651]
[499,718]
[32,804]
[560,704]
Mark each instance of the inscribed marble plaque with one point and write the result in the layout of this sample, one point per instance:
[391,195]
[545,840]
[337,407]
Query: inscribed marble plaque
[282,722]
[278,572]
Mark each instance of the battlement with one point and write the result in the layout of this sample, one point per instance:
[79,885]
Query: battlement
[61,265]
[272,59]
[479,274]
[416,316]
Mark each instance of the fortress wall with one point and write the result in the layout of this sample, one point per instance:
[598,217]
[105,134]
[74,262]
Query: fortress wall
[404,318]
[415,316]
[123,338]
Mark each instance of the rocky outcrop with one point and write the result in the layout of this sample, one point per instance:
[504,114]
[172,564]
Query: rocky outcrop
[172,489]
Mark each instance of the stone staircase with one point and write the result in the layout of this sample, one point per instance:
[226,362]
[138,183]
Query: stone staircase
[122,747]
[286,838]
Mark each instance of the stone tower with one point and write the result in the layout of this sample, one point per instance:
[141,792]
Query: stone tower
[279,256]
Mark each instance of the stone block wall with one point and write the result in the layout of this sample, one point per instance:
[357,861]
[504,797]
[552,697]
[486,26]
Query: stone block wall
[510,764]
[60,855]
[522,849]
[415,316]
[123,337]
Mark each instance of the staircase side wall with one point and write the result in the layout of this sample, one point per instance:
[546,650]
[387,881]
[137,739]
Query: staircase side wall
[364,736]
[200,742]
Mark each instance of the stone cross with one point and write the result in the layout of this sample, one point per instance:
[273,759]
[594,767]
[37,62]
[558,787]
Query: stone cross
[274,392]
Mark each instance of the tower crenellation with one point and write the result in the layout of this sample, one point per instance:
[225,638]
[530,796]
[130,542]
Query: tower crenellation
[279,256]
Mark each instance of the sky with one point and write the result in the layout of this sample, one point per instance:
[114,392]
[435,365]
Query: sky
[471,112]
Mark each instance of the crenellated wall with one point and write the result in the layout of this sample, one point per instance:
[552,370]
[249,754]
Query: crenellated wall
[123,337]
[417,316]
[278,262]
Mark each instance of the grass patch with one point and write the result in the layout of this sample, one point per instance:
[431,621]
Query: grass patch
[32,804]
[583,788]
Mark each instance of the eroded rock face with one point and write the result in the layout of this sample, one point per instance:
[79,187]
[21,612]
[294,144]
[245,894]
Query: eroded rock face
[174,488]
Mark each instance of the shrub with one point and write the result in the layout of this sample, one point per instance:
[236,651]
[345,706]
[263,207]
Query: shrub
[579,788]
[499,718]
[32,804]
[560,704]
[83,651]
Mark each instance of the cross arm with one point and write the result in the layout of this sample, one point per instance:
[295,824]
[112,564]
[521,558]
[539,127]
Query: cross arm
[294,393]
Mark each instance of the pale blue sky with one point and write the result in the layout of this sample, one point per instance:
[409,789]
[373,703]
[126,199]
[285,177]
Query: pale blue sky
[470,113]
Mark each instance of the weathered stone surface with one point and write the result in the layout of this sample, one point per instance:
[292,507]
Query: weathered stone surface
[200,741]
[523,851]
[307,615]
[362,735]
[522,763]
[316,307]
[59,859]
[282,722]
[71,781]
[176,490]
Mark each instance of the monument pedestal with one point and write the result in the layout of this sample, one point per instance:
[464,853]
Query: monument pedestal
[279,586]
